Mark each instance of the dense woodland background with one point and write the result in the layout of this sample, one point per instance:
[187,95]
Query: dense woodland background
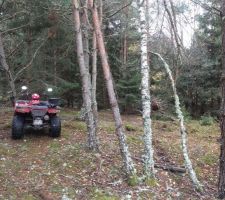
[39,36]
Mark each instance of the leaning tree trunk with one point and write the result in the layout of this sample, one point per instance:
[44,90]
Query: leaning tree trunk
[183,132]
[128,163]
[92,137]
[94,72]
[6,68]
[145,92]
[221,184]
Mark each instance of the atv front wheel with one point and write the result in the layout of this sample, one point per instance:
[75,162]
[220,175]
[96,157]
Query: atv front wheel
[55,126]
[17,127]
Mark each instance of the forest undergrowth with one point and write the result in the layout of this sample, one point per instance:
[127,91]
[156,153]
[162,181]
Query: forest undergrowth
[39,167]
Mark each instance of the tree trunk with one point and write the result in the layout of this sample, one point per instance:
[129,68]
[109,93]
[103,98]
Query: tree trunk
[145,92]
[6,68]
[85,29]
[221,184]
[173,23]
[94,79]
[92,137]
[94,72]
[128,163]
[55,67]
[183,132]
[125,44]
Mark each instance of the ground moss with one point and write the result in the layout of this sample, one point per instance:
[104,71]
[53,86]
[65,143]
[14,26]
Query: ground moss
[130,127]
[98,194]
[28,197]
[209,159]
[152,182]
[134,139]
[133,180]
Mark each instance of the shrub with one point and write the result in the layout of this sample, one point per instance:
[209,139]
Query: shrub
[206,120]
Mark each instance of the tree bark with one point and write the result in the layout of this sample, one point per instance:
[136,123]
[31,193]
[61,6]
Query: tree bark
[94,72]
[94,79]
[6,68]
[183,132]
[127,161]
[145,91]
[125,44]
[86,92]
[173,23]
[221,181]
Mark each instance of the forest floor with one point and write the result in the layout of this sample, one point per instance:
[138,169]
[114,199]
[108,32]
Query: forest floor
[39,167]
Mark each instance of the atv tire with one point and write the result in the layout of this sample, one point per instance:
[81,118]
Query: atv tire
[17,127]
[55,126]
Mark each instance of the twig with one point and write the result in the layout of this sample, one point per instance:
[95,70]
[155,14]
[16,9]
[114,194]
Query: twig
[14,29]
[15,49]
[31,61]
[207,7]
[120,9]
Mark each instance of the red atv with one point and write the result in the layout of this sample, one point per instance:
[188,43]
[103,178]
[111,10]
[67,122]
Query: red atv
[36,114]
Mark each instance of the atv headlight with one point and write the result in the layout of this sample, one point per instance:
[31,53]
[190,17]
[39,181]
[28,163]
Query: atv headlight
[46,117]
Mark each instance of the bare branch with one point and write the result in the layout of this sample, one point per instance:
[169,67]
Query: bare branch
[207,7]
[14,29]
[1,6]
[120,9]
[31,61]
[15,49]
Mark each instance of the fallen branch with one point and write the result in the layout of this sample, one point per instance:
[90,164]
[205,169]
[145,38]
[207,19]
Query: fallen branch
[171,168]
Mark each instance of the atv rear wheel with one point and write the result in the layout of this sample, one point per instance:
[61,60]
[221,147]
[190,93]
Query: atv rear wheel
[55,126]
[17,127]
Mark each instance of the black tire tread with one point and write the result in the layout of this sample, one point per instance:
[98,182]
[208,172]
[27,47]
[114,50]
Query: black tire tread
[17,127]
[55,126]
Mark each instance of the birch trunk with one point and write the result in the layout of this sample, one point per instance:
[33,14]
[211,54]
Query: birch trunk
[145,92]
[6,68]
[94,79]
[183,132]
[92,138]
[221,181]
[127,161]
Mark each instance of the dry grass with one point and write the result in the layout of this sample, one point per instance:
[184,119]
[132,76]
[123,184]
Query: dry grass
[40,166]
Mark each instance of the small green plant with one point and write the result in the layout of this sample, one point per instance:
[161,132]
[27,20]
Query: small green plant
[187,115]
[152,182]
[130,127]
[133,180]
[209,159]
[99,194]
[206,120]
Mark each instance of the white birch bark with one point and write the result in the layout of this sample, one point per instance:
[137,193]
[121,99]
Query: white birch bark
[94,79]
[183,132]
[145,92]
